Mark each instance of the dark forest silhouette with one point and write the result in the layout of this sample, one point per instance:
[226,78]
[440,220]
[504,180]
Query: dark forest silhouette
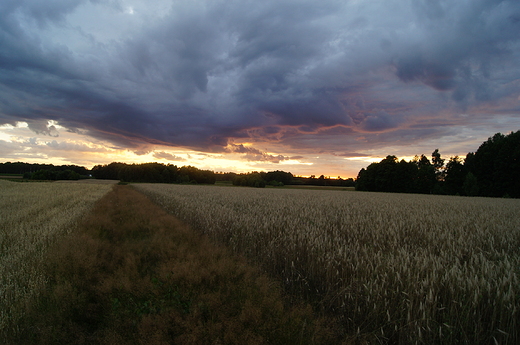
[37,171]
[162,173]
[280,178]
[153,172]
[493,170]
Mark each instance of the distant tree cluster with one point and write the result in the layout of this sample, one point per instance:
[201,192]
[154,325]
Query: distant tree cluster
[324,181]
[261,179]
[252,179]
[225,176]
[153,172]
[493,170]
[44,171]
[281,178]
[20,168]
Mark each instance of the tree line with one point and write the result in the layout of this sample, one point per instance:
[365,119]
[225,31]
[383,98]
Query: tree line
[280,178]
[261,179]
[37,171]
[493,171]
[147,172]
[162,173]
[20,168]
[153,172]
[322,180]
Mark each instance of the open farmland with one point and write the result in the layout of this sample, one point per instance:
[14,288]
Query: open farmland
[32,217]
[396,268]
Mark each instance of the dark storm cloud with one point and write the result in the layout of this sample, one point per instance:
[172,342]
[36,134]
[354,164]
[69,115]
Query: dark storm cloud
[167,156]
[67,146]
[460,44]
[380,121]
[254,155]
[243,149]
[42,127]
[265,158]
[205,72]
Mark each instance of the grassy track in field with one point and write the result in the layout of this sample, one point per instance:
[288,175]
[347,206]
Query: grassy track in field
[133,274]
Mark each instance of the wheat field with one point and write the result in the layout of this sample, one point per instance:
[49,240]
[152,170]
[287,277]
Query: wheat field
[394,268]
[32,217]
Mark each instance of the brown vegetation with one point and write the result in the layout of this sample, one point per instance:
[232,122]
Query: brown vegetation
[134,274]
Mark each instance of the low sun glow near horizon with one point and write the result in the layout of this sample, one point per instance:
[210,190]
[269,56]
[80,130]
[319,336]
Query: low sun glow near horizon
[56,145]
[321,88]
[52,143]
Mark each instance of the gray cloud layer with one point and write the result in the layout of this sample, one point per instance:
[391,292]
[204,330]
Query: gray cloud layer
[197,74]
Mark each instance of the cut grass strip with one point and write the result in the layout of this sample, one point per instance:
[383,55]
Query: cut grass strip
[134,274]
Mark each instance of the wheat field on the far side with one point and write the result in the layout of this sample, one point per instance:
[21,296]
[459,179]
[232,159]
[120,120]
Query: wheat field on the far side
[397,268]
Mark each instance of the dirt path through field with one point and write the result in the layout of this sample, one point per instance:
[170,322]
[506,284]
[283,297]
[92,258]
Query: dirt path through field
[135,274]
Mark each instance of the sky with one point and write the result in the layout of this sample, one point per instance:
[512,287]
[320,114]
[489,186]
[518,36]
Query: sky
[310,87]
